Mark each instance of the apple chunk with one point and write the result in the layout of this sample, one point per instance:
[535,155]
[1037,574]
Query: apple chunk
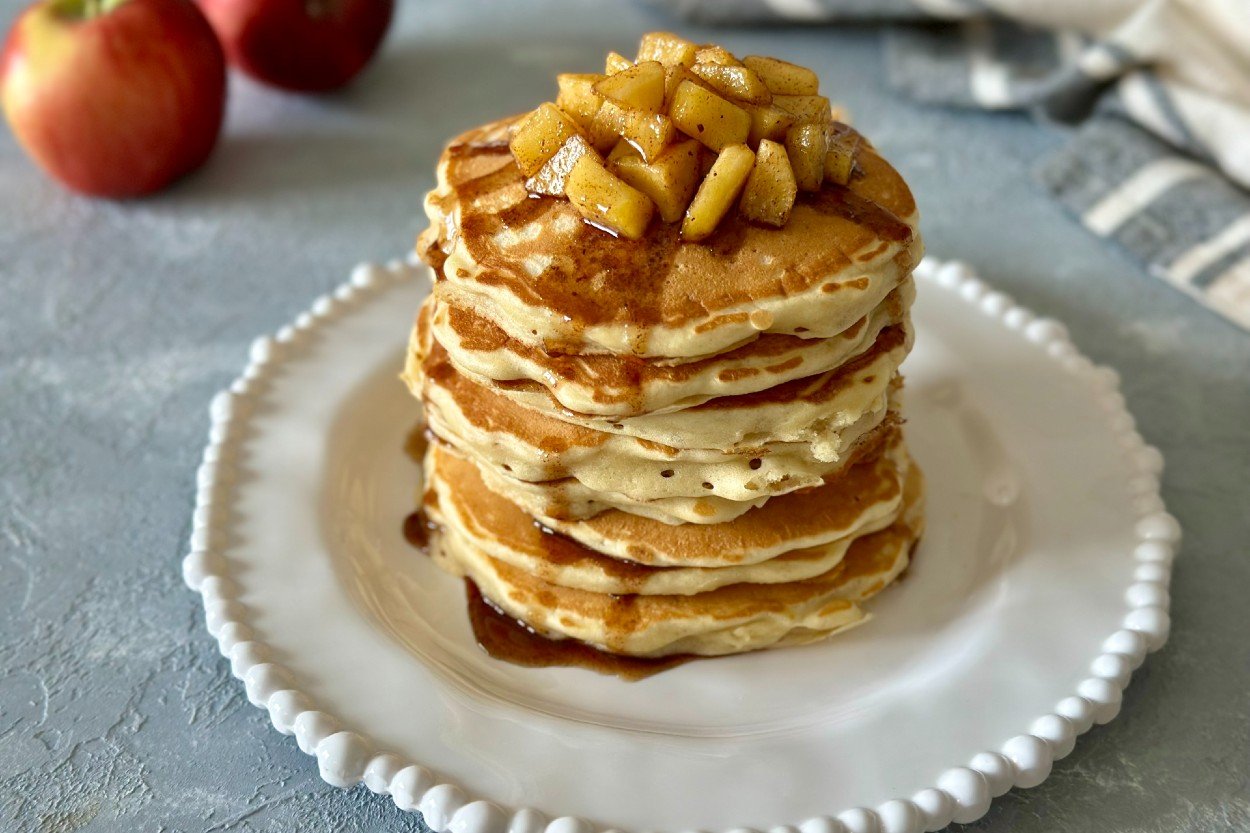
[667,48]
[805,145]
[713,54]
[840,159]
[640,87]
[650,133]
[554,175]
[669,181]
[540,136]
[616,62]
[717,192]
[783,77]
[577,96]
[769,122]
[839,162]
[607,201]
[673,78]
[734,82]
[703,115]
[808,108]
[770,190]
[602,133]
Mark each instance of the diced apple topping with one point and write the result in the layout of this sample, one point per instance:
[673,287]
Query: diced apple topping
[607,201]
[650,133]
[770,189]
[578,98]
[734,82]
[783,77]
[538,139]
[640,86]
[838,164]
[703,115]
[769,122]
[806,108]
[667,48]
[713,54]
[717,192]
[551,178]
[615,63]
[688,131]
[805,145]
[669,181]
[842,143]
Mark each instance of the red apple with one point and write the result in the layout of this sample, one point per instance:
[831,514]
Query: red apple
[301,45]
[115,98]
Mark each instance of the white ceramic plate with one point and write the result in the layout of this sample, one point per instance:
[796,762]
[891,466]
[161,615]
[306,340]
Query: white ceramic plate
[1039,586]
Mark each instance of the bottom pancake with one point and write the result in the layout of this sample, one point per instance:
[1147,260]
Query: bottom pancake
[726,620]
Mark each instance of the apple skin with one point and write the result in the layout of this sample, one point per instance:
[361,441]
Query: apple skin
[116,104]
[300,45]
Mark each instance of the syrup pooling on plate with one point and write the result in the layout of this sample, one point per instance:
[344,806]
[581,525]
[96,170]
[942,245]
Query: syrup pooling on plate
[417,525]
[506,639]
[660,363]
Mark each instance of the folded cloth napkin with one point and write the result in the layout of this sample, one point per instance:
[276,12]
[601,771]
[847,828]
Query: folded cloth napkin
[1159,91]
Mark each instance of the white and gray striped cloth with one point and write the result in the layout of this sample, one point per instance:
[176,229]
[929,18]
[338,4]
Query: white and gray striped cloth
[1158,91]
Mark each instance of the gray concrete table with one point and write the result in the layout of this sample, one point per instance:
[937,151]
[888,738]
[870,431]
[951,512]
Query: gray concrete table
[119,321]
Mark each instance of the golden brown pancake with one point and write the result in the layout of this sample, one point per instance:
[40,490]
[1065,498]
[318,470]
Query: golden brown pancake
[570,499]
[626,385]
[866,491]
[530,264]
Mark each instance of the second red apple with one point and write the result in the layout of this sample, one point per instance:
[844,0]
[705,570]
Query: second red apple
[300,45]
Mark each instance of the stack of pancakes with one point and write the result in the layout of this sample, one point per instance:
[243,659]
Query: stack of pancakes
[657,447]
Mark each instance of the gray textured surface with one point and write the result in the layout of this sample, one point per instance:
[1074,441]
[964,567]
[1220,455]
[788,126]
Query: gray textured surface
[118,322]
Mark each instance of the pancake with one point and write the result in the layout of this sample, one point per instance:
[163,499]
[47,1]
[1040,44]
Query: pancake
[866,492]
[806,518]
[729,619]
[464,506]
[569,499]
[537,449]
[547,279]
[621,385]
[810,410]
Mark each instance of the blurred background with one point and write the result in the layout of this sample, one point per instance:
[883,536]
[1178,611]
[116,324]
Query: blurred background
[120,319]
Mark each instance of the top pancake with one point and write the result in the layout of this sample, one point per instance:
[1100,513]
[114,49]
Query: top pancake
[534,268]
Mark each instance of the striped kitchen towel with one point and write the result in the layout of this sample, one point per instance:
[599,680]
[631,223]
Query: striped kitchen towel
[1158,91]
